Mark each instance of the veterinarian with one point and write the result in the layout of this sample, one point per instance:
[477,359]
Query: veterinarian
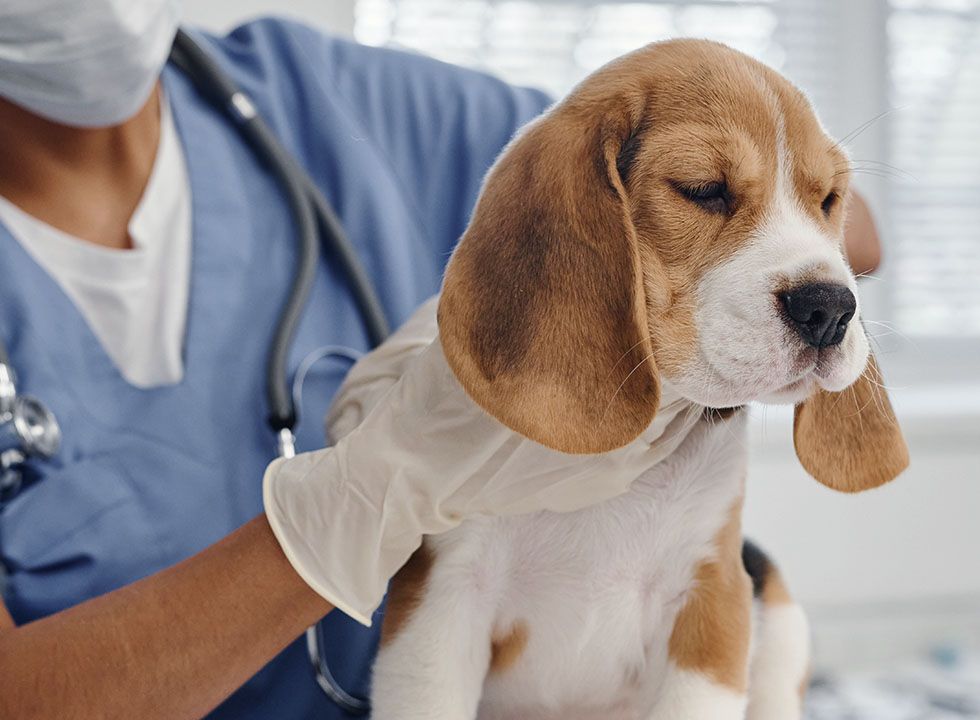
[145,255]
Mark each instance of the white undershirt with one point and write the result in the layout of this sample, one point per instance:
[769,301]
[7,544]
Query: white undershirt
[135,301]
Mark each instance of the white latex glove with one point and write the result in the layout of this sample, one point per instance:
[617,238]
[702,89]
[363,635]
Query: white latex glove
[423,459]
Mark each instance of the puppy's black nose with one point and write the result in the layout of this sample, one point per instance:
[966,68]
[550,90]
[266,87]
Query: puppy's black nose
[819,312]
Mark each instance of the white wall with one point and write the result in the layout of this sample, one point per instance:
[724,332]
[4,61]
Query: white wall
[335,16]
[891,572]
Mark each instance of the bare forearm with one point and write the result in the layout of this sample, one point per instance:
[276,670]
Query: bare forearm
[5,620]
[170,646]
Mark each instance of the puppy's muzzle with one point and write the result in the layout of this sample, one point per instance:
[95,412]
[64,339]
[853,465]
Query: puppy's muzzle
[819,312]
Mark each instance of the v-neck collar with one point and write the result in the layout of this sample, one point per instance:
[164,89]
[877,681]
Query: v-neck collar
[218,204]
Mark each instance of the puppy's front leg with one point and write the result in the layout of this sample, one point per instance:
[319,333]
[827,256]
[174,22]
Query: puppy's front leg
[707,676]
[435,646]
[781,646]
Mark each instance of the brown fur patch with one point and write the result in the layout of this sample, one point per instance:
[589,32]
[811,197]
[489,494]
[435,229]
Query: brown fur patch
[574,286]
[712,631]
[542,314]
[506,649]
[406,592]
[774,590]
[850,440]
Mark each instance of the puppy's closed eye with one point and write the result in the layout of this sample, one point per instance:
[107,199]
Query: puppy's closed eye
[830,202]
[712,196]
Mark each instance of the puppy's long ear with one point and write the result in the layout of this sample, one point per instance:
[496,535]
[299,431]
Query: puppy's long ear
[542,316]
[850,440]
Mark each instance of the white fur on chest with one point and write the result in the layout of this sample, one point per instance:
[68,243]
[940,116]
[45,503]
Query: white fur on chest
[597,590]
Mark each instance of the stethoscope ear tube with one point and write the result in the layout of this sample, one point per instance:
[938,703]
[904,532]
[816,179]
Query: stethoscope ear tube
[308,207]
[212,82]
[310,210]
[333,234]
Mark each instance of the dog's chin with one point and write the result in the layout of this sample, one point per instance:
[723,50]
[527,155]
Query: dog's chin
[840,372]
[781,378]
[791,393]
[832,372]
[728,393]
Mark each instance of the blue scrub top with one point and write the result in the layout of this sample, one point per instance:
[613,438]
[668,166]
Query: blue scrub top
[145,478]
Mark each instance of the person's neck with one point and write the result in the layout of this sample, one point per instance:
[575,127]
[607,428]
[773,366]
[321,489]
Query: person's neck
[85,182]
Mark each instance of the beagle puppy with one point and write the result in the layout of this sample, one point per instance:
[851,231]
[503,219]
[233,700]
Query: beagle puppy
[672,229]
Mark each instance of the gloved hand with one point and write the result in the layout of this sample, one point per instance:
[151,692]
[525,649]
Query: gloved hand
[422,460]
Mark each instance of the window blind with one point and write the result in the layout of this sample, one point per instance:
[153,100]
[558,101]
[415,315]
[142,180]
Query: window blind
[552,44]
[935,191]
[931,168]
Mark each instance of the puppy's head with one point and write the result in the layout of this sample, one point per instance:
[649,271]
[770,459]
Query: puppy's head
[678,215]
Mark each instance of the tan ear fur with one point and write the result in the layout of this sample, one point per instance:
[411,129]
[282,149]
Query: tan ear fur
[850,440]
[542,315]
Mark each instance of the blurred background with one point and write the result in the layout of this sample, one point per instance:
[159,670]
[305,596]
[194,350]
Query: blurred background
[891,579]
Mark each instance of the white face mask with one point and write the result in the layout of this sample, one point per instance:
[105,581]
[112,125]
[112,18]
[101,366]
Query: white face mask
[86,63]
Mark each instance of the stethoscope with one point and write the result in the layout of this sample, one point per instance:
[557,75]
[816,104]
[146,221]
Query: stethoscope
[29,430]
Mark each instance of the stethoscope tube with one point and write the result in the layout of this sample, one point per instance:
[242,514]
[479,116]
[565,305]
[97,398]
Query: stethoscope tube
[308,207]
[311,212]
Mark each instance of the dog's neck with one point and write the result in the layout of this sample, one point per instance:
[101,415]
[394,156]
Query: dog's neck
[676,417]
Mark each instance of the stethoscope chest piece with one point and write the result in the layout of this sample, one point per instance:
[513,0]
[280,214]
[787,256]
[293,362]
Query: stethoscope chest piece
[27,429]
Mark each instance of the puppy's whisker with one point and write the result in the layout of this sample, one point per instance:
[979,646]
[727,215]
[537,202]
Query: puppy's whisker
[870,161]
[882,323]
[873,376]
[860,129]
[873,337]
[622,384]
[876,379]
[886,387]
[879,398]
[885,166]
[628,351]
[872,173]
[892,330]
[884,172]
